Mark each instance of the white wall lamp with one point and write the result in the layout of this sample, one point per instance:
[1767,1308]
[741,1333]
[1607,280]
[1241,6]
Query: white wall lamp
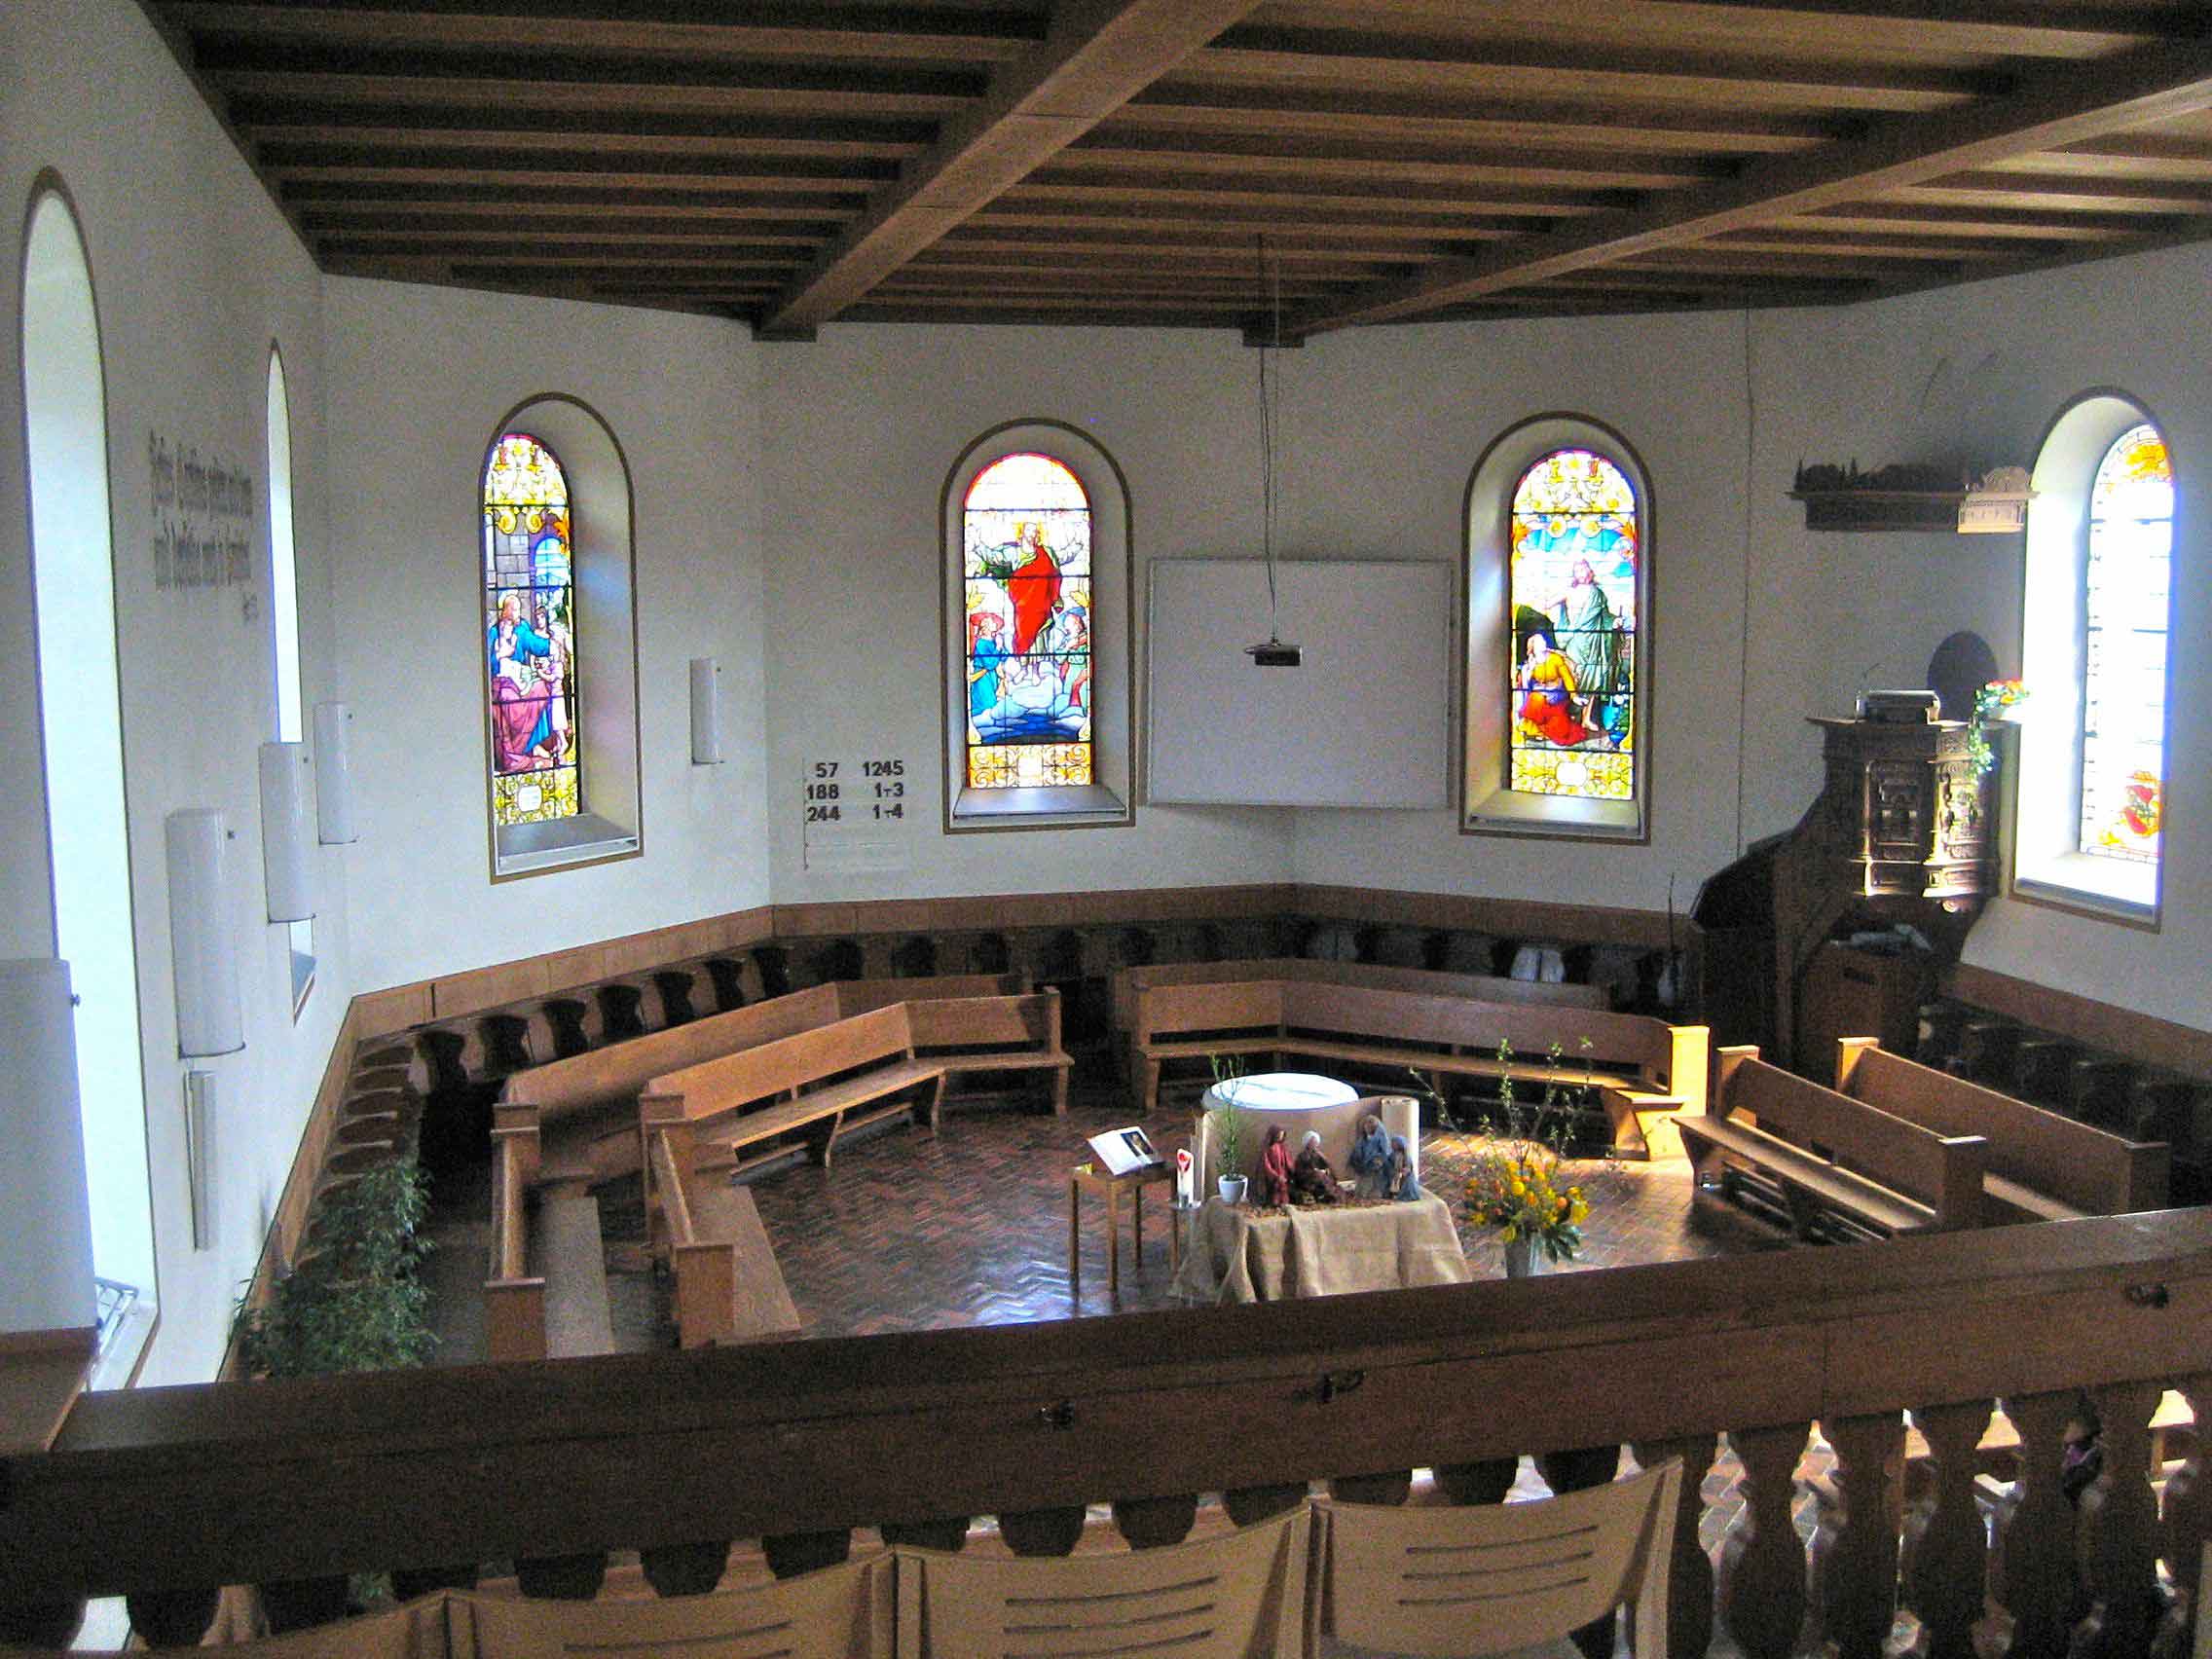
[203,953]
[706,712]
[334,775]
[287,835]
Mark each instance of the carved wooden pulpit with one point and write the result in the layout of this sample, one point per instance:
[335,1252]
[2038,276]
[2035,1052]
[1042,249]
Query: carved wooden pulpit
[1902,831]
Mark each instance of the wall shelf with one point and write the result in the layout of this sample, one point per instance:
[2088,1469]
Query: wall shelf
[1881,509]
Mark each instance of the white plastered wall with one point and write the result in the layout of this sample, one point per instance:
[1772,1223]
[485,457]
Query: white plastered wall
[862,427]
[419,378]
[195,275]
[1383,430]
[1981,372]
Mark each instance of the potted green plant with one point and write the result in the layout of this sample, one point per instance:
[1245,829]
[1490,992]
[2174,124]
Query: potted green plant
[354,1299]
[1227,1133]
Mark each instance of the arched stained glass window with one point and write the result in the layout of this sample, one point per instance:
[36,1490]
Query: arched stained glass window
[2123,679]
[530,633]
[1025,527]
[1572,680]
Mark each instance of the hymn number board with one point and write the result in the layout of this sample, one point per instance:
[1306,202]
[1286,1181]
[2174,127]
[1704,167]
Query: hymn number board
[855,812]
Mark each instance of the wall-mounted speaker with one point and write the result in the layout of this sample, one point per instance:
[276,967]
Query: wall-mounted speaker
[334,775]
[287,836]
[46,1260]
[202,950]
[199,1155]
[706,712]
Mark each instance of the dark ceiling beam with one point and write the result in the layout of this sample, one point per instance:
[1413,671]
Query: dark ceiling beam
[320,122]
[2013,28]
[485,81]
[1363,62]
[1095,56]
[2048,106]
[1176,105]
[885,33]
[1269,165]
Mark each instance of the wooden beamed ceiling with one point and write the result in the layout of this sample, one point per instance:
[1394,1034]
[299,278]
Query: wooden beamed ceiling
[1118,161]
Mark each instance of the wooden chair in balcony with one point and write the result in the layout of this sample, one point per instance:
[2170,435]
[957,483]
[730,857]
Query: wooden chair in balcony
[1221,1598]
[839,1612]
[1494,1578]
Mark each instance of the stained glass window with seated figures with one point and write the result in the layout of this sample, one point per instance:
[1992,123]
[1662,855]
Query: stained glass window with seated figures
[1026,533]
[1572,593]
[530,634]
[2124,681]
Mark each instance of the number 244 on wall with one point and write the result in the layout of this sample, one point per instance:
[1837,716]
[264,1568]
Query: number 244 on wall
[844,792]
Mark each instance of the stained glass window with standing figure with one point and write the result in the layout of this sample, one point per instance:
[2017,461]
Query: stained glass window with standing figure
[1026,555]
[530,633]
[2124,681]
[1573,597]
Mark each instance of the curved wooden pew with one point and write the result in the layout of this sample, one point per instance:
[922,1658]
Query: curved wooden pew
[1645,1072]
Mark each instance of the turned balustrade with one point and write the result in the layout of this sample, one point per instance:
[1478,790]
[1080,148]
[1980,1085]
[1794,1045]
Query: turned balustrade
[165,1493]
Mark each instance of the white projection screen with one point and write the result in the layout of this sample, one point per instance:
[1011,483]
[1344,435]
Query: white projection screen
[1363,720]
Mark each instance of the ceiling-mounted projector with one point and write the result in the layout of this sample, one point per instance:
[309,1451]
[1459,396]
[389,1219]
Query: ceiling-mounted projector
[1273,653]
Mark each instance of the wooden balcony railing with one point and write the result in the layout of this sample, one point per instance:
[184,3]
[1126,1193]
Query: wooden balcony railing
[179,1490]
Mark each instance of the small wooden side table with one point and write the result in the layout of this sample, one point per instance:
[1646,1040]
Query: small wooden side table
[1111,1187]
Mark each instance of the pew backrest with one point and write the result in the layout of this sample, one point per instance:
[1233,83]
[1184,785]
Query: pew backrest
[1128,982]
[859,996]
[615,1075]
[733,1082]
[2088,1168]
[1240,1005]
[1941,1171]
[1616,1041]
[986,1021]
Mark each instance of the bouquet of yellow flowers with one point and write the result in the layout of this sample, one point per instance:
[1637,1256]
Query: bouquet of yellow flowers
[1517,1189]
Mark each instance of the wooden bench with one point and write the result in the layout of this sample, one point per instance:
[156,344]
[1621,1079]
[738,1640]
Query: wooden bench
[729,1286]
[514,1300]
[547,1294]
[972,1035]
[2039,1165]
[1833,1166]
[588,1102]
[1128,984]
[1644,1072]
[808,1081]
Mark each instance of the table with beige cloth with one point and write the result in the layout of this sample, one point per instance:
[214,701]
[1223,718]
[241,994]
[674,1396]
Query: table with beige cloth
[1238,1254]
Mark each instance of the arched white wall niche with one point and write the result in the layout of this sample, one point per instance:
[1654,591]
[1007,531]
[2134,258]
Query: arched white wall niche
[1487,805]
[285,633]
[1106,800]
[81,741]
[603,532]
[2047,862]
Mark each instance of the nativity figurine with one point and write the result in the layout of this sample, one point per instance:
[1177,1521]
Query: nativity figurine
[1399,1180]
[1274,1168]
[1371,1156]
[1311,1180]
